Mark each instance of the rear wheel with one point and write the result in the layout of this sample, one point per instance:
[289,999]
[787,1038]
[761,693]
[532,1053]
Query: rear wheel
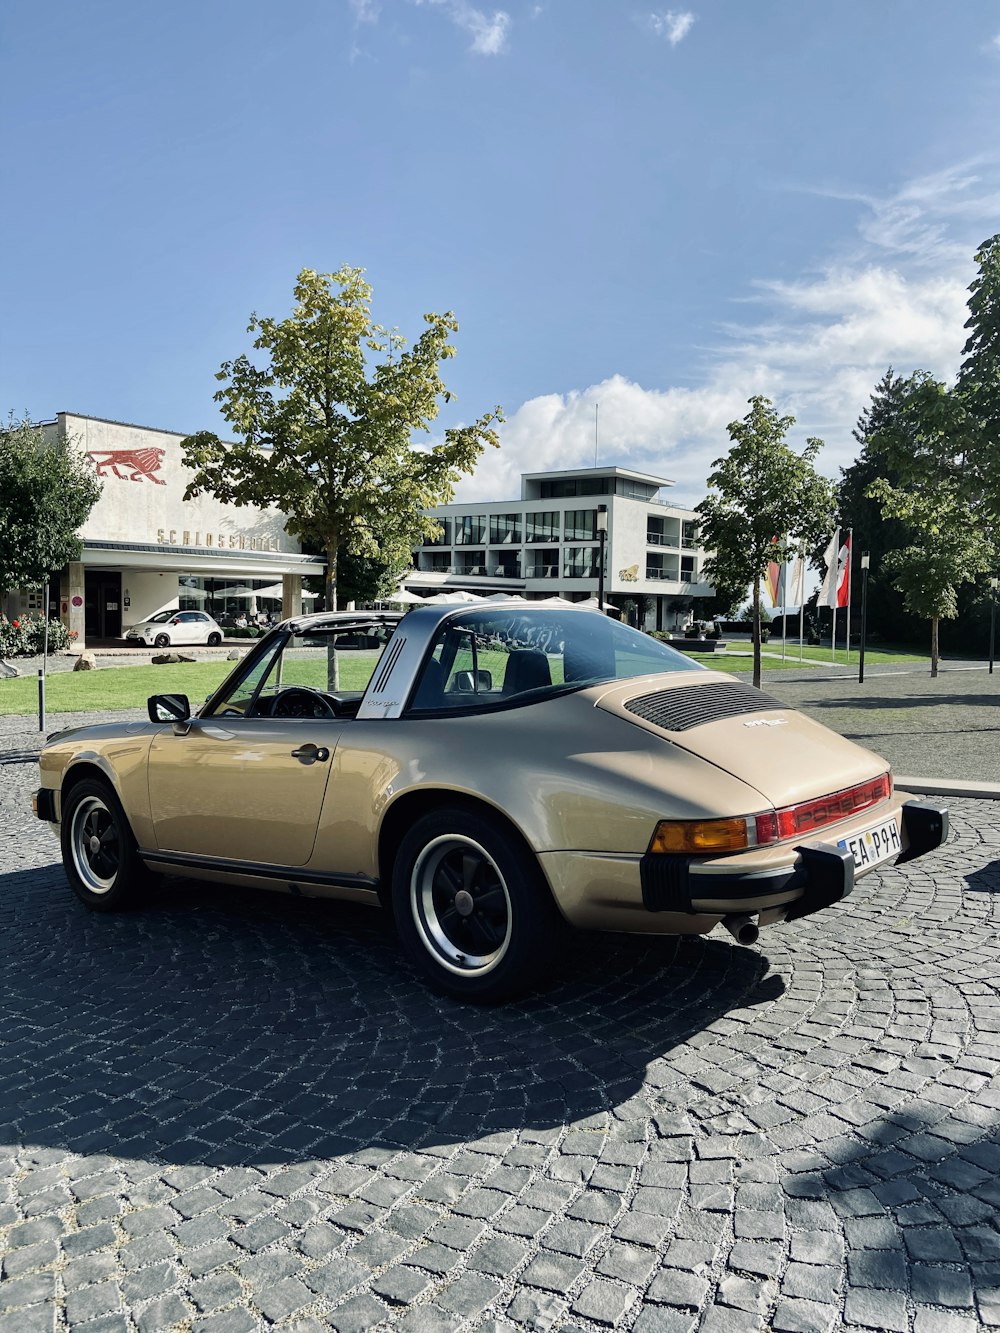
[214,640]
[472,908]
[162,641]
[99,852]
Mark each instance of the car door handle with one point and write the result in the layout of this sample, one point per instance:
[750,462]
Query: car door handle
[311,754]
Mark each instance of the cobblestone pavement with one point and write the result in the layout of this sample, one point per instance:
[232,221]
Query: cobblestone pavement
[229,1111]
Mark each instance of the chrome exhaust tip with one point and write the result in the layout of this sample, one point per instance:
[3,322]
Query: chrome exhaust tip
[743,928]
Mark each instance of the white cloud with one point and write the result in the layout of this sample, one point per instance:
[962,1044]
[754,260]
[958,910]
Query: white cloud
[488,31]
[821,343]
[365,11]
[673,25]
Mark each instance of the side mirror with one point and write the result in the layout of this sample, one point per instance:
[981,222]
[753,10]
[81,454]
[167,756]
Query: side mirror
[168,708]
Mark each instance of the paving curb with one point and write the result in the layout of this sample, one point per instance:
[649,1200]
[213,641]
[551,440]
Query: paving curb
[989,791]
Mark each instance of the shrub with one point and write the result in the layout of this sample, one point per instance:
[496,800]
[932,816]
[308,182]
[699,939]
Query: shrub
[24,636]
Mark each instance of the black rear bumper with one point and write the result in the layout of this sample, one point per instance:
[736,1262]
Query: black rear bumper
[822,871]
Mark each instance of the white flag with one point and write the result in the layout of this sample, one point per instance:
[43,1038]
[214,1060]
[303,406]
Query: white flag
[795,582]
[828,588]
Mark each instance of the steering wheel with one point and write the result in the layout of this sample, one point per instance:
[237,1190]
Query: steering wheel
[302,701]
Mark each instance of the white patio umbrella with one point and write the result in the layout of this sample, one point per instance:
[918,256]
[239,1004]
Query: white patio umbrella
[275,592]
[554,601]
[591,604]
[405,598]
[456,598]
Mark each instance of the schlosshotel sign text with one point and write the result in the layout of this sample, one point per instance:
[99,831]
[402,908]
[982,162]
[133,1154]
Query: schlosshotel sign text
[221,541]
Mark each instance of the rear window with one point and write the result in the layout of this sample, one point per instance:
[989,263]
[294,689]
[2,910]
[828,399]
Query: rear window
[482,659]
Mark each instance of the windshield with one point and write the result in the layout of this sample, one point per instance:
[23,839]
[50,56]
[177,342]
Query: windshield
[161,616]
[494,658]
[337,662]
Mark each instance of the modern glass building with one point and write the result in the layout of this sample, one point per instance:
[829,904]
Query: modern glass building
[547,542]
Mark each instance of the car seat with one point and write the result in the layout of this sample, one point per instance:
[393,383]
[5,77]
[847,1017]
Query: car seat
[527,669]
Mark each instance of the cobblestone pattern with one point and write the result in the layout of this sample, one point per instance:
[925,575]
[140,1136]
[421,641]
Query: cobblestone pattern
[228,1112]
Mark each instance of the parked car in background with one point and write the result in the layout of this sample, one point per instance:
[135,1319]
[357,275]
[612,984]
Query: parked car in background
[492,774]
[169,628]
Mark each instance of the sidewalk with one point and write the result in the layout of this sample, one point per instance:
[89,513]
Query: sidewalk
[946,728]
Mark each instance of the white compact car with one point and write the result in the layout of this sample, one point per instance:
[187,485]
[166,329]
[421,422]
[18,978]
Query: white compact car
[167,628]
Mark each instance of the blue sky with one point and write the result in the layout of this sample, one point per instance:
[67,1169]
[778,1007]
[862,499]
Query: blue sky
[662,211]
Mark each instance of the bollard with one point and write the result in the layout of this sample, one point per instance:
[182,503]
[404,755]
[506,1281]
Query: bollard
[41,699]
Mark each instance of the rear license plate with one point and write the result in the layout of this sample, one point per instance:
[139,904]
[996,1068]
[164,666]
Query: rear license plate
[873,845]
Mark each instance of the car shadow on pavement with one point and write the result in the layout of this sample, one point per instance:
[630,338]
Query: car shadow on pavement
[898,703]
[220,1026]
[916,1196]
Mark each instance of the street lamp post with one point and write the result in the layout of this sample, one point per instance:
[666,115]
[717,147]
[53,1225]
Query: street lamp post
[602,535]
[865,559]
[993,617]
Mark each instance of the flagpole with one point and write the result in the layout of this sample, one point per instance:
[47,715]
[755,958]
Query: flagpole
[833,605]
[783,584]
[850,553]
[802,597]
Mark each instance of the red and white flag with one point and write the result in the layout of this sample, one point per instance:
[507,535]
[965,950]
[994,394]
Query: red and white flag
[835,589]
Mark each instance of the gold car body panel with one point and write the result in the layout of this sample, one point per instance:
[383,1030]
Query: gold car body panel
[233,788]
[787,756]
[550,775]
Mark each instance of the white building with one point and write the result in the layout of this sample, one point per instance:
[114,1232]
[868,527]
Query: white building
[147,549]
[547,543]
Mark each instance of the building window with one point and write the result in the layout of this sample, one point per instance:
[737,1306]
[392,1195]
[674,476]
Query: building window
[444,539]
[470,562]
[634,490]
[470,530]
[689,533]
[505,529]
[687,569]
[581,562]
[436,562]
[544,527]
[557,490]
[580,525]
[545,565]
[505,564]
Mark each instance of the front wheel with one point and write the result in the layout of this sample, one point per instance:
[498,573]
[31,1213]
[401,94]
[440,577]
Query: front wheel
[162,641]
[99,852]
[473,911]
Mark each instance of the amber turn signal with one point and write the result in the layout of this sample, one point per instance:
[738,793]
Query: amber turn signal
[692,836]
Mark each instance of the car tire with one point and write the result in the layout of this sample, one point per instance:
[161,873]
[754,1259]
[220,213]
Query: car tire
[214,640]
[472,908]
[161,641]
[99,852]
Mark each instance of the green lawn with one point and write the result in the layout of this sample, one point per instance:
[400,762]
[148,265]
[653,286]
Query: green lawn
[811,657]
[130,687]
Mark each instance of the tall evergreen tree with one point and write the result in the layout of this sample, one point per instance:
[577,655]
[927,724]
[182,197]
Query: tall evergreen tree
[979,378]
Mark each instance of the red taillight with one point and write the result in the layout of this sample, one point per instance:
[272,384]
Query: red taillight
[798,821]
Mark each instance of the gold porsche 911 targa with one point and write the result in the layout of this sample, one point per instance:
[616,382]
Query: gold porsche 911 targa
[490,773]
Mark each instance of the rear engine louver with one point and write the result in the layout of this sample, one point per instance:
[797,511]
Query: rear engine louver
[693,705]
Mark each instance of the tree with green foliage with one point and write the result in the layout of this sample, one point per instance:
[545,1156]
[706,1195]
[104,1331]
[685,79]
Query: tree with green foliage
[47,489]
[857,510]
[325,425]
[936,497]
[363,578]
[762,492]
[978,383]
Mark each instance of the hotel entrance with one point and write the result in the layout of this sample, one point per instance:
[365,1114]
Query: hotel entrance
[103,604]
